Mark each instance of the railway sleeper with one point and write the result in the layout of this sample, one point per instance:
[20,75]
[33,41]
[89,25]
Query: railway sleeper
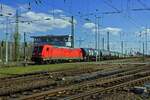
[86,98]
[119,80]
[120,87]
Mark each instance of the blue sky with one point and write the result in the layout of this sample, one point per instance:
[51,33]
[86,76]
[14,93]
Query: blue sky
[129,23]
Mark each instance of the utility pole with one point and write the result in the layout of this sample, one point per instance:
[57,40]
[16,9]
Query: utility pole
[126,52]
[16,37]
[72,31]
[146,41]
[6,43]
[24,46]
[2,44]
[108,48]
[96,35]
[122,47]
[96,32]
[103,44]
[143,52]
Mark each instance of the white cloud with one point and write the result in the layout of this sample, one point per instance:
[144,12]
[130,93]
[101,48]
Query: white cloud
[35,16]
[143,31]
[89,25]
[112,30]
[56,11]
[24,7]
[40,22]
[7,9]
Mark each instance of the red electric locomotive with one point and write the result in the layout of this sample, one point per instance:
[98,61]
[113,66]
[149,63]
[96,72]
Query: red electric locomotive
[48,53]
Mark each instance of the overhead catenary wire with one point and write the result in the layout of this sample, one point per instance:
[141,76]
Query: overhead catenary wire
[111,5]
[145,6]
[130,19]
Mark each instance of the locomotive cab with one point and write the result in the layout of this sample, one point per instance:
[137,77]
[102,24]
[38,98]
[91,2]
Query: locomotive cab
[37,53]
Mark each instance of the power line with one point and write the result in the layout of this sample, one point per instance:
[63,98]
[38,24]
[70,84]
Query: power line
[38,2]
[130,18]
[80,41]
[143,4]
[141,9]
[107,3]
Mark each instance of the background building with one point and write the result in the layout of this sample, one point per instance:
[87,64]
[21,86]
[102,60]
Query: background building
[56,40]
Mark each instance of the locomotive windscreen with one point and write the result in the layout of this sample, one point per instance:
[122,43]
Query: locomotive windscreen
[38,49]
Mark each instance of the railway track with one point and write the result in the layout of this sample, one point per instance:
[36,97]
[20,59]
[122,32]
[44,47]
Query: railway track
[101,83]
[97,92]
[29,85]
[45,74]
[61,72]
[27,82]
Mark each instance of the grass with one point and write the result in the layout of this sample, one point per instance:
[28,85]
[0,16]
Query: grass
[35,68]
[8,71]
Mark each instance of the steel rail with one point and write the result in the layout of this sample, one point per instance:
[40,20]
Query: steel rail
[60,91]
